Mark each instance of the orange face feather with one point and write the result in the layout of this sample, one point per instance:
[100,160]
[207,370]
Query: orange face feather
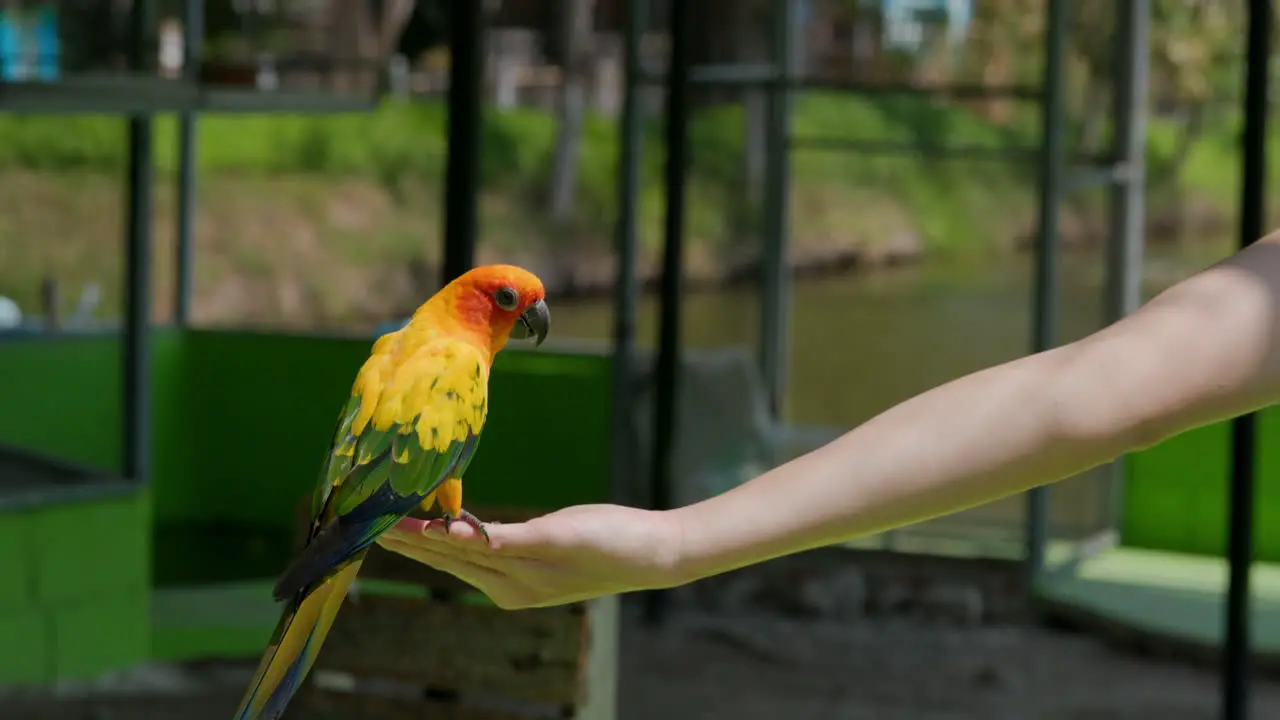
[488,303]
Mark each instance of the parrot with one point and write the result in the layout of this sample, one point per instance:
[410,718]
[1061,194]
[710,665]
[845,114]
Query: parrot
[404,439]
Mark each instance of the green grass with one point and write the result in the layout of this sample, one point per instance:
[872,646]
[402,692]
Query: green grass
[325,203]
[403,143]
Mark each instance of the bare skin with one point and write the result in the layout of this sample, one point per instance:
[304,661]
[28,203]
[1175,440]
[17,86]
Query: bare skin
[1205,350]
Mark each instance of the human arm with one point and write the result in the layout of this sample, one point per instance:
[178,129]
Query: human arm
[1204,350]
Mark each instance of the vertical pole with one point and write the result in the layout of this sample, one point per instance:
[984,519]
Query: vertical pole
[1128,220]
[1045,296]
[137,301]
[192,38]
[668,365]
[775,271]
[462,170]
[51,298]
[1235,668]
[627,287]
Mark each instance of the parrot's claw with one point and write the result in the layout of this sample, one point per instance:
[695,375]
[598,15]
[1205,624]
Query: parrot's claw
[353,591]
[468,518]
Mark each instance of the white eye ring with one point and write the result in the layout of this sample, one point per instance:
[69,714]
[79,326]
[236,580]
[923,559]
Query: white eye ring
[506,298]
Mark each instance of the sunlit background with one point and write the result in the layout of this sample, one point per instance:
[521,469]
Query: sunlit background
[318,216]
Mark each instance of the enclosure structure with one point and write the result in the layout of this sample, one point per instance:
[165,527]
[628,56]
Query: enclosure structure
[1121,171]
[130,540]
[1157,568]
[177,398]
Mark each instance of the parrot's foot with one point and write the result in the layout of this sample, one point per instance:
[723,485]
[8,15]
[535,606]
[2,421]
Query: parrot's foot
[468,518]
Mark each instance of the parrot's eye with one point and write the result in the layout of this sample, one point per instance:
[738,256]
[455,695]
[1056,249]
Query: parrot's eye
[507,298]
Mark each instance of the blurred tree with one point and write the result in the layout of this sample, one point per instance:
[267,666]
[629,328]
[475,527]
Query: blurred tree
[1004,48]
[1195,61]
[737,32]
[364,32]
[1197,50]
[1195,53]
[1091,47]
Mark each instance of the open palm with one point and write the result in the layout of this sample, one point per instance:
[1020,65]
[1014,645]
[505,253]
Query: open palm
[570,555]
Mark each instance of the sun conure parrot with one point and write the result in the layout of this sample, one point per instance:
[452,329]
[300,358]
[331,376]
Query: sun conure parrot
[403,440]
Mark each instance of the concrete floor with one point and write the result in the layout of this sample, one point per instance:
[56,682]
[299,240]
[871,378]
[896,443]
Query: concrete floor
[1166,595]
[756,665]
[748,668]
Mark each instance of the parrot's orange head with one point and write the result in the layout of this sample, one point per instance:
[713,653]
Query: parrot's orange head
[500,301]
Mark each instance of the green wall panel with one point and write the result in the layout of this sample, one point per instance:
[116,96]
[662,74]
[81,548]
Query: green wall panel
[74,599]
[84,550]
[1176,497]
[110,632]
[547,439]
[66,401]
[17,582]
[1267,500]
[241,423]
[260,410]
[26,648]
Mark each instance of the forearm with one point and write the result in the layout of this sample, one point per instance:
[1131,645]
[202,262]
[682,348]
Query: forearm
[928,456]
[1200,352]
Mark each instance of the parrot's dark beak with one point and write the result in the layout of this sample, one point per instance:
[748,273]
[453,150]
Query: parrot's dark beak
[533,323]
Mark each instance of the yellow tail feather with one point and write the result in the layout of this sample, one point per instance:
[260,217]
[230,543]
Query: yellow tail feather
[295,646]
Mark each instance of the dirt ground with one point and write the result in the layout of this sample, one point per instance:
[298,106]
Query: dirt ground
[758,667]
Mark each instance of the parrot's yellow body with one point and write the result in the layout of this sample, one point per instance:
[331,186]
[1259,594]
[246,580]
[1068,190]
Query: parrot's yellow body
[404,439]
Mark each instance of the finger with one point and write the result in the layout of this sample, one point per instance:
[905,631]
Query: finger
[424,550]
[514,539]
[477,553]
[409,529]
[485,578]
[407,526]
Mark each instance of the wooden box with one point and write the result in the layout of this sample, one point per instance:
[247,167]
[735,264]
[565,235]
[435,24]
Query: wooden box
[415,643]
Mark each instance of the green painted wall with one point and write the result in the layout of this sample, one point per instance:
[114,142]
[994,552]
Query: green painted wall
[241,423]
[75,596]
[74,600]
[1177,494]
[63,396]
[258,412]
[242,420]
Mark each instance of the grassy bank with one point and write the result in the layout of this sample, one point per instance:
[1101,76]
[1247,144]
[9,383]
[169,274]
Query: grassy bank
[299,213]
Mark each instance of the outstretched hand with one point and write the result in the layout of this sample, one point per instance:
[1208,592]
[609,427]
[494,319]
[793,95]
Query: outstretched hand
[570,555]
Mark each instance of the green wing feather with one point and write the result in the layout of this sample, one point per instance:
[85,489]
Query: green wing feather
[413,420]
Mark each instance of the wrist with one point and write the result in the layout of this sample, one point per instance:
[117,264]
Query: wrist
[688,558]
[668,551]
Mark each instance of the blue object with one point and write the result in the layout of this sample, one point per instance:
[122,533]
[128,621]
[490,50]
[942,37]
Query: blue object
[10,37]
[29,44]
